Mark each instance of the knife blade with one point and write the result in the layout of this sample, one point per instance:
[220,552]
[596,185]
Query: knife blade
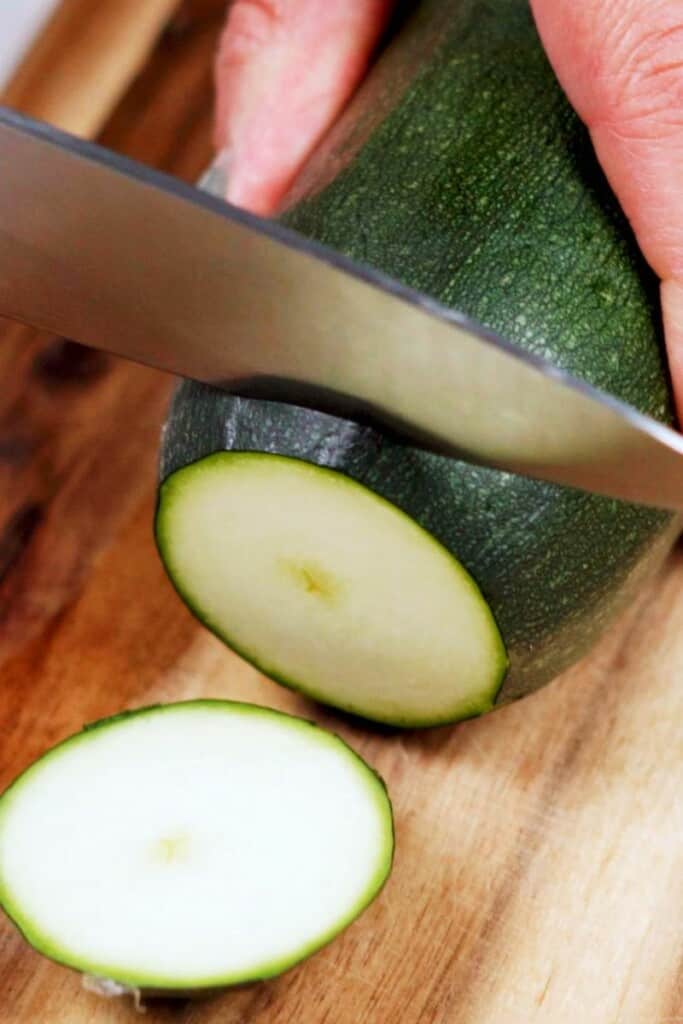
[115,255]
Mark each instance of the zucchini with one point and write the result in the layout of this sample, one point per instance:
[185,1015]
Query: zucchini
[192,846]
[461,170]
[387,609]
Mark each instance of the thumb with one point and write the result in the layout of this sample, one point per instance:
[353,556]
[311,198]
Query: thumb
[284,70]
[621,64]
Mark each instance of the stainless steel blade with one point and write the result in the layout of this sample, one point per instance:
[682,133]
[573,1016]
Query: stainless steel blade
[122,258]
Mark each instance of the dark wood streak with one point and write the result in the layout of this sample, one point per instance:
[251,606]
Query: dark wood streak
[15,451]
[66,363]
[16,536]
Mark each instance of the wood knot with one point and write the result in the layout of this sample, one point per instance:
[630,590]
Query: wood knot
[65,363]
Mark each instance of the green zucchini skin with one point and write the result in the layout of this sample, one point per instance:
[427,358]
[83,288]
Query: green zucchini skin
[461,170]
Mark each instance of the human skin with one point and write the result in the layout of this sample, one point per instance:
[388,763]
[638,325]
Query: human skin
[286,68]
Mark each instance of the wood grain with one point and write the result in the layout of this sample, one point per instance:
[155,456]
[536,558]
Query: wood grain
[84,60]
[538,877]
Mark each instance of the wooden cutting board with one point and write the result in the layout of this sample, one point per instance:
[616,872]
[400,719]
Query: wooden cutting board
[539,868]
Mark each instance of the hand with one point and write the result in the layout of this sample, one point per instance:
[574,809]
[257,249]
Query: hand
[621,64]
[286,68]
[284,71]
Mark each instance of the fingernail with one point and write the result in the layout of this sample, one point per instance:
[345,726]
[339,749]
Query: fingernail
[672,307]
[215,178]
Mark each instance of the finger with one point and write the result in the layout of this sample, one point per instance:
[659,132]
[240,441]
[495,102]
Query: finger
[285,68]
[621,64]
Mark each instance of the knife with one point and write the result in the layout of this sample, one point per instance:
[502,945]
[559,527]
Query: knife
[99,249]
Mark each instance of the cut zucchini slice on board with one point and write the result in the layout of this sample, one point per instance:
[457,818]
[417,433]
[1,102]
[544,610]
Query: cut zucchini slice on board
[329,588]
[192,846]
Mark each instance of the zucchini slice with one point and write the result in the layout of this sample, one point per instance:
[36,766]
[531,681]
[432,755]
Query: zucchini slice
[329,588]
[196,845]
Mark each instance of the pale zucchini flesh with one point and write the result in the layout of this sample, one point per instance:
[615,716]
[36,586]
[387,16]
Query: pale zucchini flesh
[329,588]
[192,846]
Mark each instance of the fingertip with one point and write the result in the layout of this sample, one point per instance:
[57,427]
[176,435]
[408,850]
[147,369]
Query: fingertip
[252,192]
[215,179]
[283,73]
[672,309]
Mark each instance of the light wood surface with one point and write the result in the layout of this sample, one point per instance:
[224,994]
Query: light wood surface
[539,868]
[84,60]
